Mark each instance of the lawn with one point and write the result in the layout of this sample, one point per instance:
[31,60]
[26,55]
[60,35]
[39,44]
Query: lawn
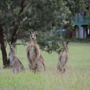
[77,76]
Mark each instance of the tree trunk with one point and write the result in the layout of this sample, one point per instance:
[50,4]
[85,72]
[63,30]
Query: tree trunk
[16,27]
[3,49]
[6,62]
[14,36]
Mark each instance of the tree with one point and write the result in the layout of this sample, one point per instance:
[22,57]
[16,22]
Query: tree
[19,17]
[10,19]
[76,6]
[46,16]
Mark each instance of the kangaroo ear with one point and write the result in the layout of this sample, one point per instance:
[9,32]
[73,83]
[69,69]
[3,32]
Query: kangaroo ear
[36,33]
[13,45]
[65,44]
[30,33]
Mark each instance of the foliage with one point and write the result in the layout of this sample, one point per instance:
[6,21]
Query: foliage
[76,6]
[37,15]
[19,17]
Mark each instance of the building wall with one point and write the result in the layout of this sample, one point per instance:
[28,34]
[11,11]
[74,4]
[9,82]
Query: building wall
[81,22]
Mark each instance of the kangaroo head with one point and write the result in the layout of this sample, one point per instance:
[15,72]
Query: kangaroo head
[65,45]
[32,35]
[12,49]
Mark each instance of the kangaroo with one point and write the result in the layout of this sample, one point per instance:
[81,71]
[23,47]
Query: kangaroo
[15,62]
[36,60]
[63,57]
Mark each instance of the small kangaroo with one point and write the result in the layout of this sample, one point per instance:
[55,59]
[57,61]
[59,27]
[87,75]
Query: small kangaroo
[63,57]
[36,60]
[15,62]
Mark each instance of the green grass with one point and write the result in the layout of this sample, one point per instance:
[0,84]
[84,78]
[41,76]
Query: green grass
[77,76]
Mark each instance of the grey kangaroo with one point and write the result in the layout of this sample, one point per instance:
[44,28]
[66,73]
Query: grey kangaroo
[15,62]
[36,60]
[63,57]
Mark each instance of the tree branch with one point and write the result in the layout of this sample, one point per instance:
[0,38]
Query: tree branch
[16,27]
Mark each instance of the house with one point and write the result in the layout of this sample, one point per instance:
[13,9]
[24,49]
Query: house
[82,25]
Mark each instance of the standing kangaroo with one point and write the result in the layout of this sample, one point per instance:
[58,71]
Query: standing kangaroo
[63,57]
[15,62]
[36,60]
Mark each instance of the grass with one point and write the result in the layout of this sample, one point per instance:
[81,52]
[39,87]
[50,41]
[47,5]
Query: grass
[77,76]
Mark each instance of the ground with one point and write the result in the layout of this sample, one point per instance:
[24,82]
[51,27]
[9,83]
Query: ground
[77,76]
